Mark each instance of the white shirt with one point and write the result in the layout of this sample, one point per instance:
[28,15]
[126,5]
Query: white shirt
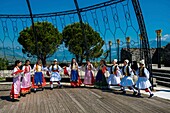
[55,67]
[28,68]
[39,68]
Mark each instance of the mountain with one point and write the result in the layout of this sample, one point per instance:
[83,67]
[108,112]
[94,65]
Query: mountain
[63,55]
[153,43]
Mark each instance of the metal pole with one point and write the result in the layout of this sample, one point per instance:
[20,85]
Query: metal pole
[128,43]
[141,49]
[82,27]
[34,32]
[145,41]
[118,43]
[110,44]
[158,32]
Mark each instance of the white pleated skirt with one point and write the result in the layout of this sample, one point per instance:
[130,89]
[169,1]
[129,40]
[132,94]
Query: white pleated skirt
[143,83]
[55,76]
[113,80]
[127,81]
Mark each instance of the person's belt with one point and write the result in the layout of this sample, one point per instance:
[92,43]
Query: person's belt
[55,70]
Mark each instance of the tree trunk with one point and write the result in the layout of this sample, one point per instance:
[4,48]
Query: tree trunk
[43,61]
[81,60]
[77,58]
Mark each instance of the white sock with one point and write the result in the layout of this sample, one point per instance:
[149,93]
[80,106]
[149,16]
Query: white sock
[123,88]
[51,85]
[149,91]
[133,89]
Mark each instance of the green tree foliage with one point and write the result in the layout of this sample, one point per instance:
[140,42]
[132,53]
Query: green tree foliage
[166,55]
[74,40]
[3,64]
[48,39]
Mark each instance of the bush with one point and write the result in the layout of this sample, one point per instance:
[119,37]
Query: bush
[3,64]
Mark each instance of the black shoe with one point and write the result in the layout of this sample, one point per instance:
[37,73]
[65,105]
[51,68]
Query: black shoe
[60,86]
[51,88]
[42,88]
[124,92]
[121,90]
[134,93]
[24,95]
[34,90]
[139,95]
[151,95]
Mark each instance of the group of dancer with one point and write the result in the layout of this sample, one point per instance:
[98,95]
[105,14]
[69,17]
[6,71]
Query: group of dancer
[127,73]
[23,82]
[22,79]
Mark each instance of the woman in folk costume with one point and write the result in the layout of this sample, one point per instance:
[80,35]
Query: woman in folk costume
[88,78]
[38,80]
[75,79]
[100,81]
[16,86]
[114,78]
[26,80]
[127,80]
[143,79]
[55,76]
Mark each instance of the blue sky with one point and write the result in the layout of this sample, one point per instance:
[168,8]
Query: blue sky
[156,12]
[156,16]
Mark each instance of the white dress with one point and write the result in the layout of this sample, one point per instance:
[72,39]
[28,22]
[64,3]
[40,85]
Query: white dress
[127,80]
[143,81]
[114,79]
[55,76]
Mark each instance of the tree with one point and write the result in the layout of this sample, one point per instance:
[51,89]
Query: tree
[74,40]
[166,55]
[3,64]
[48,39]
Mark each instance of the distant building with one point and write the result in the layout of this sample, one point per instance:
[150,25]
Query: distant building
[134,54]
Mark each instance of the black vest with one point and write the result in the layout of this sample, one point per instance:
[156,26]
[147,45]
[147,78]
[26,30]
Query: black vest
[111,72]
[141,72]
[127,70]
[53,67]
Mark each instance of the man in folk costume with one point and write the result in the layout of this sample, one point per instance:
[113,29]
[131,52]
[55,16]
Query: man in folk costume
[16,86]
[38,79]
[75,79]
[143,79]
[114,78]
[101,81]
[55,76]
[26,80]
[88,78]
[127,80]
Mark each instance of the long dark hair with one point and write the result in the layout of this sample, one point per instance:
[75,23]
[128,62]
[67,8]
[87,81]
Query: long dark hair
[26,62]
[104,62]
[38,61]
[72,62]
[17,62]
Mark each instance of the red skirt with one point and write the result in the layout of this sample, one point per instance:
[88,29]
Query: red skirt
[12,95]
[38,86]
[76,83]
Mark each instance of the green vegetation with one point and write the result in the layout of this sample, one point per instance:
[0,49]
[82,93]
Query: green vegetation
[48,39]
[3,64]
[76,43]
